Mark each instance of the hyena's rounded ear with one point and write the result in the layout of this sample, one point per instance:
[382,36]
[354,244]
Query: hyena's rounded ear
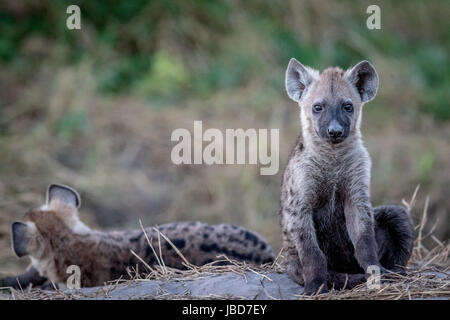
[365,80]
[298,78]
[64,194]
[19,239]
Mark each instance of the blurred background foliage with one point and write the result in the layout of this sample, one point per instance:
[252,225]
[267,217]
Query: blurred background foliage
[94,108]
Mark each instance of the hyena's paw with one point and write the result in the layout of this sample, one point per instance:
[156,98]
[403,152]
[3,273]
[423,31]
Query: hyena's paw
[295,274]
[355,279]
[9,282]
[49,286]
[340,281]
[389,276]
[386,276]
[313,287]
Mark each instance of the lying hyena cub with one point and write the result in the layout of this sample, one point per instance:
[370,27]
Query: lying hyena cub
[329,226]
[55,238]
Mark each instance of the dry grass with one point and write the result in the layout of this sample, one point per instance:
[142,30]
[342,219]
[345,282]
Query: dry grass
[428,278]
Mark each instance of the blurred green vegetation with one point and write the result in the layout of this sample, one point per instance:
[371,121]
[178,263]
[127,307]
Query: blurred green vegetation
[121,37]
[94,108]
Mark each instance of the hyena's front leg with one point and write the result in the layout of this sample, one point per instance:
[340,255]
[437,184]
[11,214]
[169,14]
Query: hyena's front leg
[31,276]
[302,234]
[293,266]
[360,227]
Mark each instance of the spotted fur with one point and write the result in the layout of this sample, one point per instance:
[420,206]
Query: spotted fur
[330,232]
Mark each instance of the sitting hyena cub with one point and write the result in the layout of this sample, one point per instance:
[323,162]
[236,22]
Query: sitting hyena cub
[55,238]
[329,227]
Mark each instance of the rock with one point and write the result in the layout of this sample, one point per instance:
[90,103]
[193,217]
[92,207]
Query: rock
[250,286]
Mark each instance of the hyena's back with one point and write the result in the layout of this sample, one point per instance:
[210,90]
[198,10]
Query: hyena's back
[201,243]
[106,256]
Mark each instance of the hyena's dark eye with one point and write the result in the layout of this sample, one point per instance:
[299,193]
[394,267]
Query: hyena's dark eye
[348,107]
[317,108]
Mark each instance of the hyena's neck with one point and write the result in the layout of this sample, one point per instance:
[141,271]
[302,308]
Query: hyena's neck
[321,151]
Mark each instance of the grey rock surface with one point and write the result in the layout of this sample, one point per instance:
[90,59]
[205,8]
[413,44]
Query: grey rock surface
[231,285]
[246,286]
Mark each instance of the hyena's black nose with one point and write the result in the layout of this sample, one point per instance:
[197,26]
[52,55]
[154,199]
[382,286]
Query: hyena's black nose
[335,130]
